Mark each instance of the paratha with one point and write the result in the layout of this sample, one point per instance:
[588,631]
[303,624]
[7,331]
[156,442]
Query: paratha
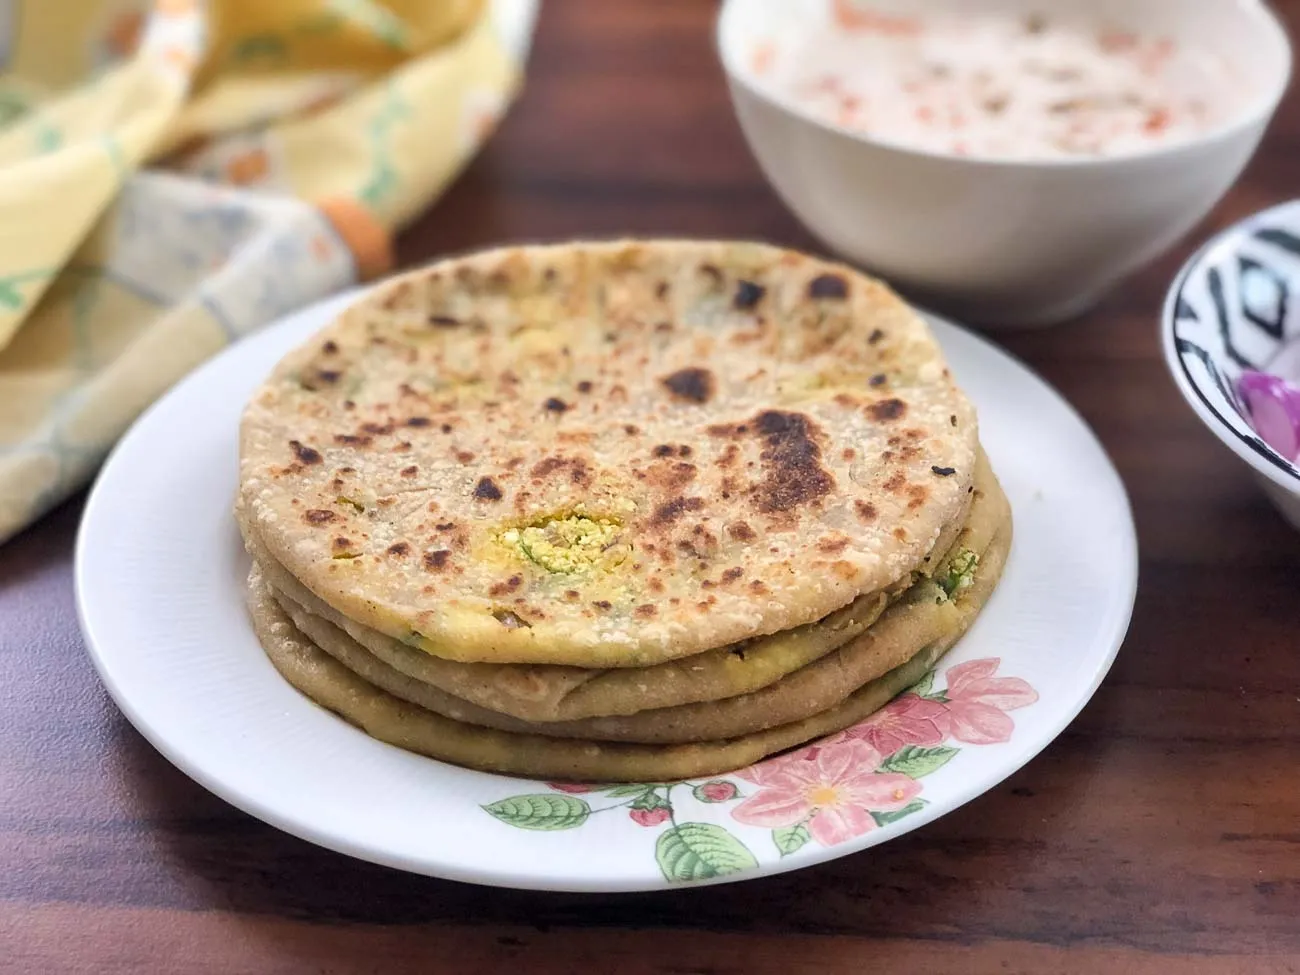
[542,692]
[608,455]
[389,719]
[924,615]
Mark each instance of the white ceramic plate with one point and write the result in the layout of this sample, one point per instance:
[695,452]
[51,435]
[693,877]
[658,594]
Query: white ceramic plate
[160,572]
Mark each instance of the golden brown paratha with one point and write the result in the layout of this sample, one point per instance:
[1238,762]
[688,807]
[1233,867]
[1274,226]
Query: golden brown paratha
[924,615]
[608,455]
[542,692]
[389,719]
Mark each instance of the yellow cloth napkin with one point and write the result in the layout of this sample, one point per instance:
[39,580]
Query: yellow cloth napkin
[176,174]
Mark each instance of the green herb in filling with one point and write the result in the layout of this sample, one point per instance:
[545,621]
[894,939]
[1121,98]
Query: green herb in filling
[564,545]
[960,573]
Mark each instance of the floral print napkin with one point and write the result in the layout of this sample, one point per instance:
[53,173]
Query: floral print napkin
[178,174]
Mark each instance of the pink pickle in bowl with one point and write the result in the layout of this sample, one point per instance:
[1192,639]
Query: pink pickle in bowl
[1274,408]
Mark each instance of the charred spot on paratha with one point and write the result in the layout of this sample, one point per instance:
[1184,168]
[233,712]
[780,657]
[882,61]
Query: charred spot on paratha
[318,516]
[670,450]
[436,560]
[670,478]
[578,469]
[691,385]
[887,410]
[486,490]
[833,544]
[508,586]
[741,532]
[748,295]
[828,286]
[671,511]
[793,475]
[305,454]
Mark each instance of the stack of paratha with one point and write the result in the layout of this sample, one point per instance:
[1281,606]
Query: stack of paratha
[633,511]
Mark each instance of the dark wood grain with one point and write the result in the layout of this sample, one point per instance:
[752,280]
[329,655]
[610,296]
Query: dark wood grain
[1160,833]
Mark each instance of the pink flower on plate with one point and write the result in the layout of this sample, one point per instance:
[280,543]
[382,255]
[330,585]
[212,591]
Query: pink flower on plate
[978,702]
[573,788]
[908,720]
[835,791]
[718,790]
[650,817]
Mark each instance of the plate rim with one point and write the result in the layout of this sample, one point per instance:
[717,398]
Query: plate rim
[1126,586]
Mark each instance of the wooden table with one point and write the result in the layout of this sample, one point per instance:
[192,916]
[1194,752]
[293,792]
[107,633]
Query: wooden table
[1160,833]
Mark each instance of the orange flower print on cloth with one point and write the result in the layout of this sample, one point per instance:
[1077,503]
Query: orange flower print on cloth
[834,791]
[248,167]
[370,243]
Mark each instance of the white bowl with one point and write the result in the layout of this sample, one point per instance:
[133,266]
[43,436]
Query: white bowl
[1236,305]
[1010,243]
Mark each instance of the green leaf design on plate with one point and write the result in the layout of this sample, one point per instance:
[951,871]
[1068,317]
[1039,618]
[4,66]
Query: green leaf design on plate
[650,799]
[885,818]
[632,789]
[924,686]
[917,762]
[788,839]
[698,851]
[542,812]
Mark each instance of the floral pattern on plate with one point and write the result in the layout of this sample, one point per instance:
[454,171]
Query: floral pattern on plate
[830,792]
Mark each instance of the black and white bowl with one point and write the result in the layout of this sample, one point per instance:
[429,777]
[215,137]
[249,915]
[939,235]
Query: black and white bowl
[1235,307]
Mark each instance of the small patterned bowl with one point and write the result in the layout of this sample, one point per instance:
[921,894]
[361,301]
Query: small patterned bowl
[1234,307]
